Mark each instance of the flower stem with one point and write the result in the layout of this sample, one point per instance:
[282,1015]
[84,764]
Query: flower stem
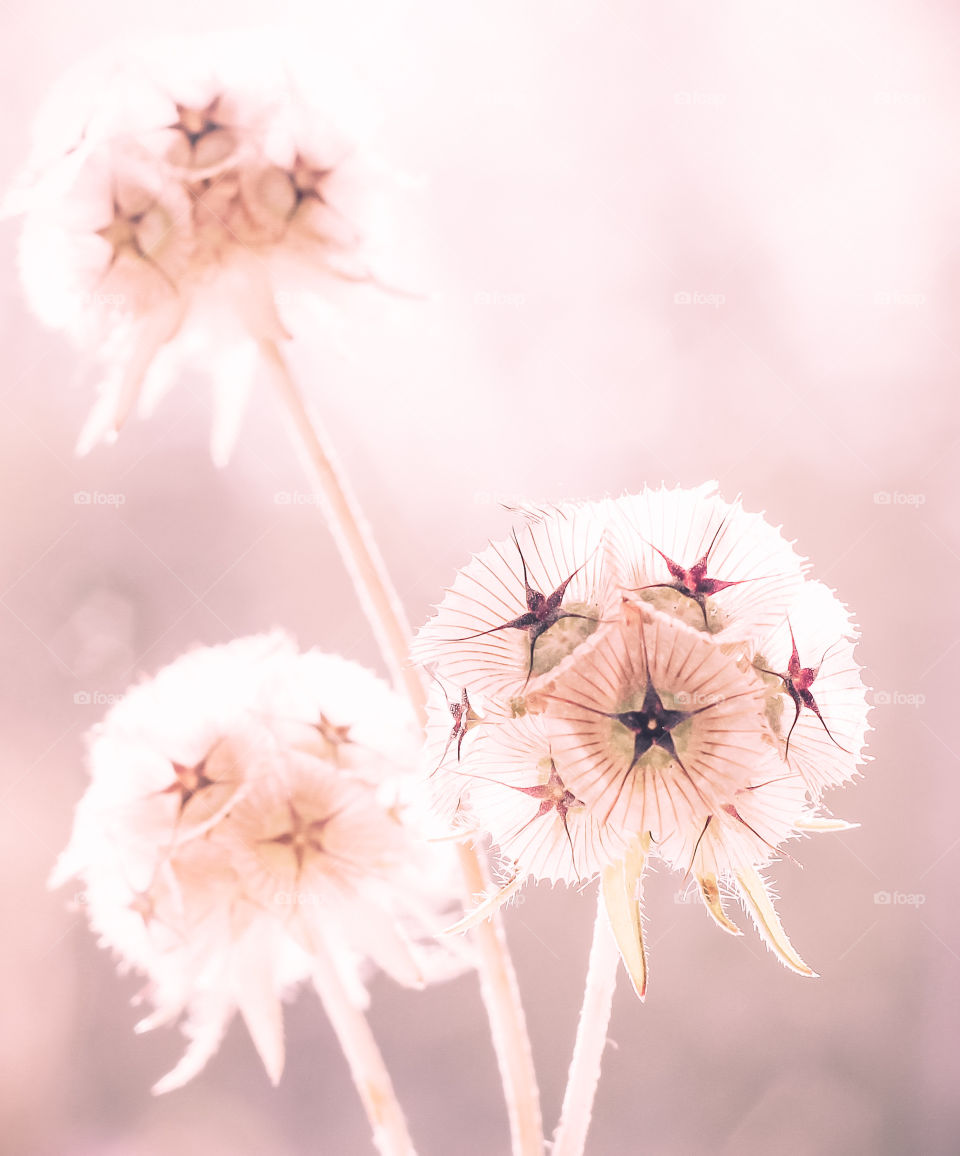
[369,1072]
[384,611]
[571,1134]
[352,533]
[498,982]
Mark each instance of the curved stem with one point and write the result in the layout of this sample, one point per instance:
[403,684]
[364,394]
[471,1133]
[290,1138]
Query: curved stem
[352,533]
[501,995]
[571,1134]
[384,611]
[369,1072]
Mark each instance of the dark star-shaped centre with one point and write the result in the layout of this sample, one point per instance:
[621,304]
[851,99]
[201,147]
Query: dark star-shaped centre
[303,836]
[189,781]
[543,610]
[652,725]
[306,180]
[196,123]
[797,682]
[693,581]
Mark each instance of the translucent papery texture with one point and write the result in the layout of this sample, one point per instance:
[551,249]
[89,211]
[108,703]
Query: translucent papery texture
[179,195]
[517,793]
[694,704]
[249,807]
[325,855]
[816,696]
[110,242]
[518,608]
[704,560]
[214,954]
[655,726]
[171,756]
[748,830]
[337,710]
[455,724]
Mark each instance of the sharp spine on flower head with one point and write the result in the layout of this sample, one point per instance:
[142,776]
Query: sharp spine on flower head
[543,611]
[797,682]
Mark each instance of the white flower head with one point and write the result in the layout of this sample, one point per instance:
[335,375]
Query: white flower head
[248,809]
[648,667]
[179,195]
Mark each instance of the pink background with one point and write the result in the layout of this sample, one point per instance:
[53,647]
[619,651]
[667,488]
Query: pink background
[574,169]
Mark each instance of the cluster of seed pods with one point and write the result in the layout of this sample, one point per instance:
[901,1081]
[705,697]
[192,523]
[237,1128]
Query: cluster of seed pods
[249,815]
[652,676]
[190,204]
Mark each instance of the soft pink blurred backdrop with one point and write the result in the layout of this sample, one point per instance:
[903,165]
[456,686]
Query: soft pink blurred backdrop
[661,241]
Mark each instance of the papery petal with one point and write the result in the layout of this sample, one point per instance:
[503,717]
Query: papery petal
[826,751]
[720,745]
[516,793]
[468,639]
[748,830]
[684,524]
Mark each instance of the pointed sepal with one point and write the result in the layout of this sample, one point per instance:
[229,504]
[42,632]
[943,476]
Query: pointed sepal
[710,894]
[621,895]
[816,823]
[760,905]
[487,907]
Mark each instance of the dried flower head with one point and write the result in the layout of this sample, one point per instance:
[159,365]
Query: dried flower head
[178,193]
[660,680]
[248,809]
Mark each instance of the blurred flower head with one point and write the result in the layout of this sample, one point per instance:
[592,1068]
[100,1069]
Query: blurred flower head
[659,679]
[250,808]
[180,195]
